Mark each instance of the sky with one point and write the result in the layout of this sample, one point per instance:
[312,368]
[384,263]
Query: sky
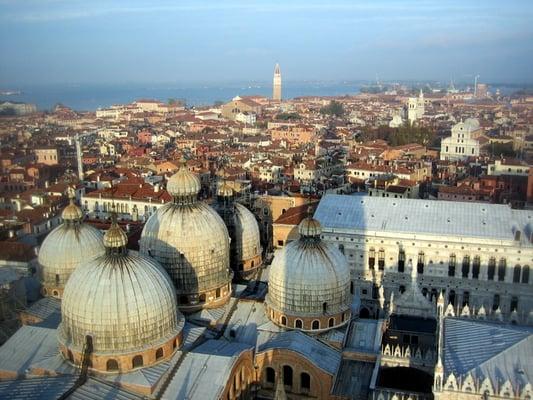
[158,41]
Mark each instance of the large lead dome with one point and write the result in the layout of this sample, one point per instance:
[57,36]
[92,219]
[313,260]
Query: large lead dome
[191,241]
[309,283]
[65,248]
[126,303]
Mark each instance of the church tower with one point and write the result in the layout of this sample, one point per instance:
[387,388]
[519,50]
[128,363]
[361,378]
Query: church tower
[276,92]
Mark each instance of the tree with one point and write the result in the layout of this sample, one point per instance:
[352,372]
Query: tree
[288,116]
[334,108]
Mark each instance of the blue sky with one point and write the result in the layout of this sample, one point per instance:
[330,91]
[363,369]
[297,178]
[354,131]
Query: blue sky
[82,41]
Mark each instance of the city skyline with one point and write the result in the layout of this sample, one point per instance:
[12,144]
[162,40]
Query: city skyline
[65,42]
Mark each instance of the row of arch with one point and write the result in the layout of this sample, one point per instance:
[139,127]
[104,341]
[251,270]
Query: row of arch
[288,379]
[315,324]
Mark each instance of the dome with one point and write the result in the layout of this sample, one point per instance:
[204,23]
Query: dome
[247,238]
[191,242]
[126,303]
[309,283]
[65,247]
[183,183]
[225,190]
[309,227]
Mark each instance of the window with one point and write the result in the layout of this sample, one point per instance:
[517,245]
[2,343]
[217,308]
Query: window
[270,375]
[401,289]
[137,361]
[451,265]
[57,279]
[112,365]
[466,266]
[514,304]
[283,320]
[501,269]
[305,381]
[316,324]
[381,259]
[287,375]
[466,299]
[516,274]
[331,322]
[525,274]
[401,260]
[496,302]
[475,267]
[491,269]
[451,297]
[371,258]
[341,248]
[159,353]
[420,263]
[298,324]
[351,287]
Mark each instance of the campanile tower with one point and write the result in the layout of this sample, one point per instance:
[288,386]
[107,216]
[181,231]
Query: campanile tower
[276,91]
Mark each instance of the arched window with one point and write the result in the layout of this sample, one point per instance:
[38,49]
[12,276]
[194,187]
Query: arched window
[491,269]
[287,375]
[476,267]
[305,381]
[420,263]
[111,365]
[159,353]
[137,361]
[351,287]
[57,279]
[217,293]
[270,375]
[514,303]
[516,274]
[324,307]
[466,266]
[298,323]
[316,324]
[451,265]
[55,293]
[283,320]
[331,322]
[202,298]
[502,266]
[371,258]
[401,260]
[525,274]
[341,248]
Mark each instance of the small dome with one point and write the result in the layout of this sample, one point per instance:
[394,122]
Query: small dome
[72,212]
[225,191]
[309,227]
[247,235]
[183,183]
[124,301]
[64,248]
[115,237]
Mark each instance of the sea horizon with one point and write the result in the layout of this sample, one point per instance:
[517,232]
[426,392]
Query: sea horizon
[92,96]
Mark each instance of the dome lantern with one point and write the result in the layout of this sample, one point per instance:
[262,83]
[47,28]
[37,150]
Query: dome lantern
[115,239]
[184,186]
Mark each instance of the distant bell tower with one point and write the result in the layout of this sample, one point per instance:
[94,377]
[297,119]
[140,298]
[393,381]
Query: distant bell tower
[276,91]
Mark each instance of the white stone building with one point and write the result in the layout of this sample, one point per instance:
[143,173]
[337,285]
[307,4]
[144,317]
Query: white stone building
[478,254]
[415,107]
[463,142]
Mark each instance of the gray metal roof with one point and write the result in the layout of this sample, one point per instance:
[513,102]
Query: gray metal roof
[204,372]
[51,387]
[48,309]
[353,379]
[29,345]
[439,218]
[486,349]
[320,354]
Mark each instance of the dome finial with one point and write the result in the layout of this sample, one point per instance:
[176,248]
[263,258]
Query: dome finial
[184,186]
[115,238]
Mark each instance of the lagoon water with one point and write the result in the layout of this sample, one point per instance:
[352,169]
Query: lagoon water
[89,97]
